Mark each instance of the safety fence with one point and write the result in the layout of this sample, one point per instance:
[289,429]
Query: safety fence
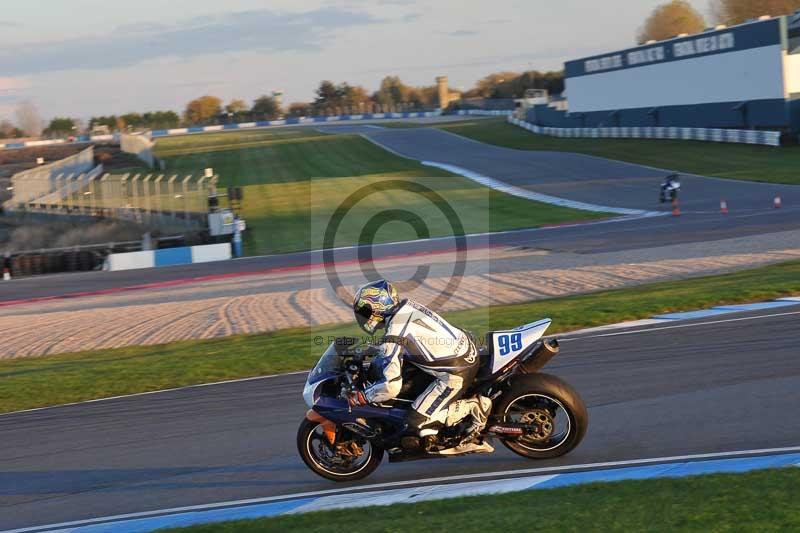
[116,138]
[80,139]
[295,121]
[152,199]
[39,181]
[486,112]
[141,146]
[768,138]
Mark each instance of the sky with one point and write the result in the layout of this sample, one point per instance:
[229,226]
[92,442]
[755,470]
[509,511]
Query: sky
[81,58]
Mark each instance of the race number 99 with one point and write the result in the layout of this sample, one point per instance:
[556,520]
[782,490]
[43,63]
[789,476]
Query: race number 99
[509,343]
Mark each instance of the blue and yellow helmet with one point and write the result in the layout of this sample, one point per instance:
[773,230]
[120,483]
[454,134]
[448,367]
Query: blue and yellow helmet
[374,304]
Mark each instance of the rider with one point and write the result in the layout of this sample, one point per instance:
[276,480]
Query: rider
[414,334]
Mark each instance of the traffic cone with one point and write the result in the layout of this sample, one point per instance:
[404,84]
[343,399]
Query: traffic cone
[676,211]
[6,274]
[777,202]
[723,207]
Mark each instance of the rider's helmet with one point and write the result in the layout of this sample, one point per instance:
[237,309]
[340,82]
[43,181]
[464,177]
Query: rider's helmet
[374,304]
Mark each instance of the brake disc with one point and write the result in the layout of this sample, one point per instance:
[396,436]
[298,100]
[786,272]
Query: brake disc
[543,422]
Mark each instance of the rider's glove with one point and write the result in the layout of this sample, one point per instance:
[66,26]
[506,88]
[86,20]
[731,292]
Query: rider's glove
[356,399]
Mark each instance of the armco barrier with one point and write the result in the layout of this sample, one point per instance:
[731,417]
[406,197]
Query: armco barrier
[239,126]
[767,138]
[168,257]
[294,121]
[485,112]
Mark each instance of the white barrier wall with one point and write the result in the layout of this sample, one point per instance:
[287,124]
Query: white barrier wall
[767,138]
[168,257]
[738,64]
[129,261]
[140,146]
[754,74]
[211,252]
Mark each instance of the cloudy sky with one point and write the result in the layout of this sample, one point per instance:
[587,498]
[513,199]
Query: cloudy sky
[85,57]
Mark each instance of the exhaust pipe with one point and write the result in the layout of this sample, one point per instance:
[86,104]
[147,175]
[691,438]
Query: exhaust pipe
[540,356]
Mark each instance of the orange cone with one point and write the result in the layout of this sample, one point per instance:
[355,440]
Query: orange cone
[777,202]
[676,211]
[723,207]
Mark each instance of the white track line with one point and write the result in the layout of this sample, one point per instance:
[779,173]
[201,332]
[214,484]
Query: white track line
[504,187]
[692,325]
[517,191]
[482,475]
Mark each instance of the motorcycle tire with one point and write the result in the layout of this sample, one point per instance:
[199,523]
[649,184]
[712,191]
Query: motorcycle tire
[560,391]
[304,435]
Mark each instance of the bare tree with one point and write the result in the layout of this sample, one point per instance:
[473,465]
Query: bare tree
[669,20]
[732,12]
[28,119]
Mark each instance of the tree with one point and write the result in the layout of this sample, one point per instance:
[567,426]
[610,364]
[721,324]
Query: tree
[733,12]
[8,131]
[393,91]
[299,109]
[671,19]
[161,119]
[265,108]
[60,127]
[133,120]
[28,119]
[203,110]
[236,107]
[352,97]
[327,96]
[487,86]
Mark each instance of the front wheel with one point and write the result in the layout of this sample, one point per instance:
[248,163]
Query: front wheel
[347,459]
[549,405]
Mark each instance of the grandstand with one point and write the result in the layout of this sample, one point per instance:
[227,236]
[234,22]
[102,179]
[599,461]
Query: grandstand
[740,77]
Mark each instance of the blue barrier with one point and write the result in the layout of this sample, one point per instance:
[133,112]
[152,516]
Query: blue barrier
[173,256]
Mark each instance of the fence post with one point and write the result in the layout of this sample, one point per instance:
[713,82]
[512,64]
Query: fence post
[106,186]
[185,194]
[146,193]
[171,193]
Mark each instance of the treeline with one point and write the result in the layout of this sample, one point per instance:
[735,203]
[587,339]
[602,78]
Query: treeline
[678,16]
[392,95]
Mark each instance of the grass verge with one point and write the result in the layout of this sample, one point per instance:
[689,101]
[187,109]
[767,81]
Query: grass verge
[756,501]
[735,161]
[294,179]
[51,380]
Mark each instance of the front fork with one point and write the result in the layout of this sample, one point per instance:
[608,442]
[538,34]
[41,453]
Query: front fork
[328,427]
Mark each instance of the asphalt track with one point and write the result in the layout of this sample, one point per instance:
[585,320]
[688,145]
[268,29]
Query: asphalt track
[724,384]
[572,176]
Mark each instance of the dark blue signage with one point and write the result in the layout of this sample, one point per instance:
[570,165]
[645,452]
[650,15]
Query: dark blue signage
[736,38]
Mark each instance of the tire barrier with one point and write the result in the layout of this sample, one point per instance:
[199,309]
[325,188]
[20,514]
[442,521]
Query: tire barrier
[35,264]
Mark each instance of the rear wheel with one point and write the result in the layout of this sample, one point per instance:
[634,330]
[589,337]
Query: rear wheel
[348,459]
[556,412]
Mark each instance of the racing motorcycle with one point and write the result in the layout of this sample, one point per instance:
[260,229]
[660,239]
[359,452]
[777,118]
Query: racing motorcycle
[670,188]
[535,415]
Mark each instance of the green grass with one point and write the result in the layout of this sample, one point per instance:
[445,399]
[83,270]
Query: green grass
[294,179]
[763,500]
[40,381]
[735,161]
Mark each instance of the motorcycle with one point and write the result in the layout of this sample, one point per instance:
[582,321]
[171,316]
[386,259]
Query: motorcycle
[670,188]
[535,415]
